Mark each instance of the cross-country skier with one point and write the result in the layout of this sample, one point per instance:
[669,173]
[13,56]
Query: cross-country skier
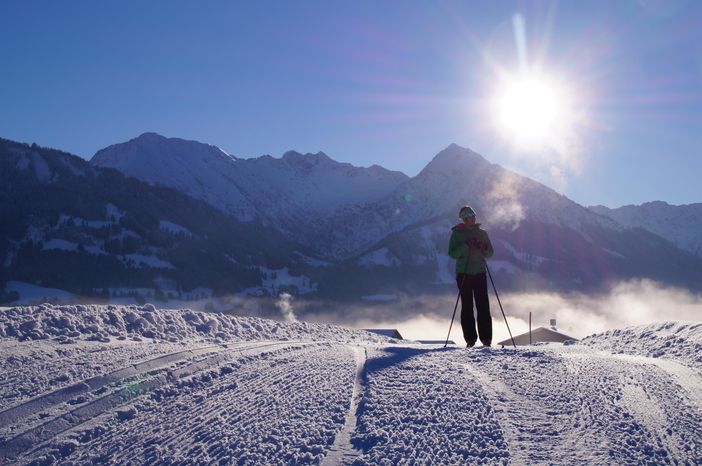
[470,245]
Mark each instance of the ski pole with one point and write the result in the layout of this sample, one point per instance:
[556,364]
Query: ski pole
[498,302]
[454,310]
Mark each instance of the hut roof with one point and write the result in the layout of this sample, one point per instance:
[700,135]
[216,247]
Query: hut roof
[387,332]
[541,334]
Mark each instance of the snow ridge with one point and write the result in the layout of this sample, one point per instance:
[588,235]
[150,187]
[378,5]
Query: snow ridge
[677,341]
[68,324]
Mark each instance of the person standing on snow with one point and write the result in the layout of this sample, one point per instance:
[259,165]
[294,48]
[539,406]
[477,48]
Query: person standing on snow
[470,245]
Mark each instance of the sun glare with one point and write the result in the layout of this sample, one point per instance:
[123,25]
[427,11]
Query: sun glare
[532,111]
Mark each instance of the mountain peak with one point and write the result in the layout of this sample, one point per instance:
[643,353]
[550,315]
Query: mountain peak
[656,204]
[293,156]
[149,138]
[149,135]
[454,150]
[151,147]
[140,155]
[455,157]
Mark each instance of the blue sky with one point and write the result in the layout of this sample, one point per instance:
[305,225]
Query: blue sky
[366,82]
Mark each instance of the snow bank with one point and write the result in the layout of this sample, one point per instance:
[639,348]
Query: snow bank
[101,323]
[679,341]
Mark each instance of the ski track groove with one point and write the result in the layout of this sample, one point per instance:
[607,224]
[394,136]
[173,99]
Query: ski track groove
[229,408]
[619,434]
[82,414]
[646,389]
[212,408]
[101,386]
[37,436]
[604,409]
[690,380]
[46,400]
[514,419]
[132,395]
[343,451]
[52,368]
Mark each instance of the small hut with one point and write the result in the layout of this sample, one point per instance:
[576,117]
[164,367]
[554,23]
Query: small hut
[539,335]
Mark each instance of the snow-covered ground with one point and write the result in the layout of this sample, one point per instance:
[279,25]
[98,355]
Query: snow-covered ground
[139,385]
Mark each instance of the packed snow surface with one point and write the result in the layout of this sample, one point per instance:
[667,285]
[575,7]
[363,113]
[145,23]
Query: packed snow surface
[140,385]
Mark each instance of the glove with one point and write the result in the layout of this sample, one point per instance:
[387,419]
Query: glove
[475,244]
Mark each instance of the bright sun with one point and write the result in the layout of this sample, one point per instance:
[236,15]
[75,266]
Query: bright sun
[532,111]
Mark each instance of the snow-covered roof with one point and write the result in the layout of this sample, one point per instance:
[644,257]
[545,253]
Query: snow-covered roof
[541,334]
[387,332]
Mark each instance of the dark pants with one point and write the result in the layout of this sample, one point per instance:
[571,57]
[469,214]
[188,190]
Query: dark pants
[475,287]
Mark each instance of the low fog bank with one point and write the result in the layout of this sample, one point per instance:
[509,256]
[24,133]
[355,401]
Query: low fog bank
[427,317]
[636,302]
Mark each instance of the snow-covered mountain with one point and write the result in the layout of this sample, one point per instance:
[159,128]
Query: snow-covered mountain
[71,227]
[313,197]
[458,176]
[199,170]
[679,224]
[292,193]
[302,224]
[542,238]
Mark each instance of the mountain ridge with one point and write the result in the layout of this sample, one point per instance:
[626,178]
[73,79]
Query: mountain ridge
[267,188]
[167,240]
[679,224]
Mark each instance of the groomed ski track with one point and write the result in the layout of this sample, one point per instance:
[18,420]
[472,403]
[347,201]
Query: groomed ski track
[99,394]
[343,451]
[324,402]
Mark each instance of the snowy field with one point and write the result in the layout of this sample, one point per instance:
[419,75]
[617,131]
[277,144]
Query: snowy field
[139,385]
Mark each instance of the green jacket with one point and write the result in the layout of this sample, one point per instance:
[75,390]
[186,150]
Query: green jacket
[469,259]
